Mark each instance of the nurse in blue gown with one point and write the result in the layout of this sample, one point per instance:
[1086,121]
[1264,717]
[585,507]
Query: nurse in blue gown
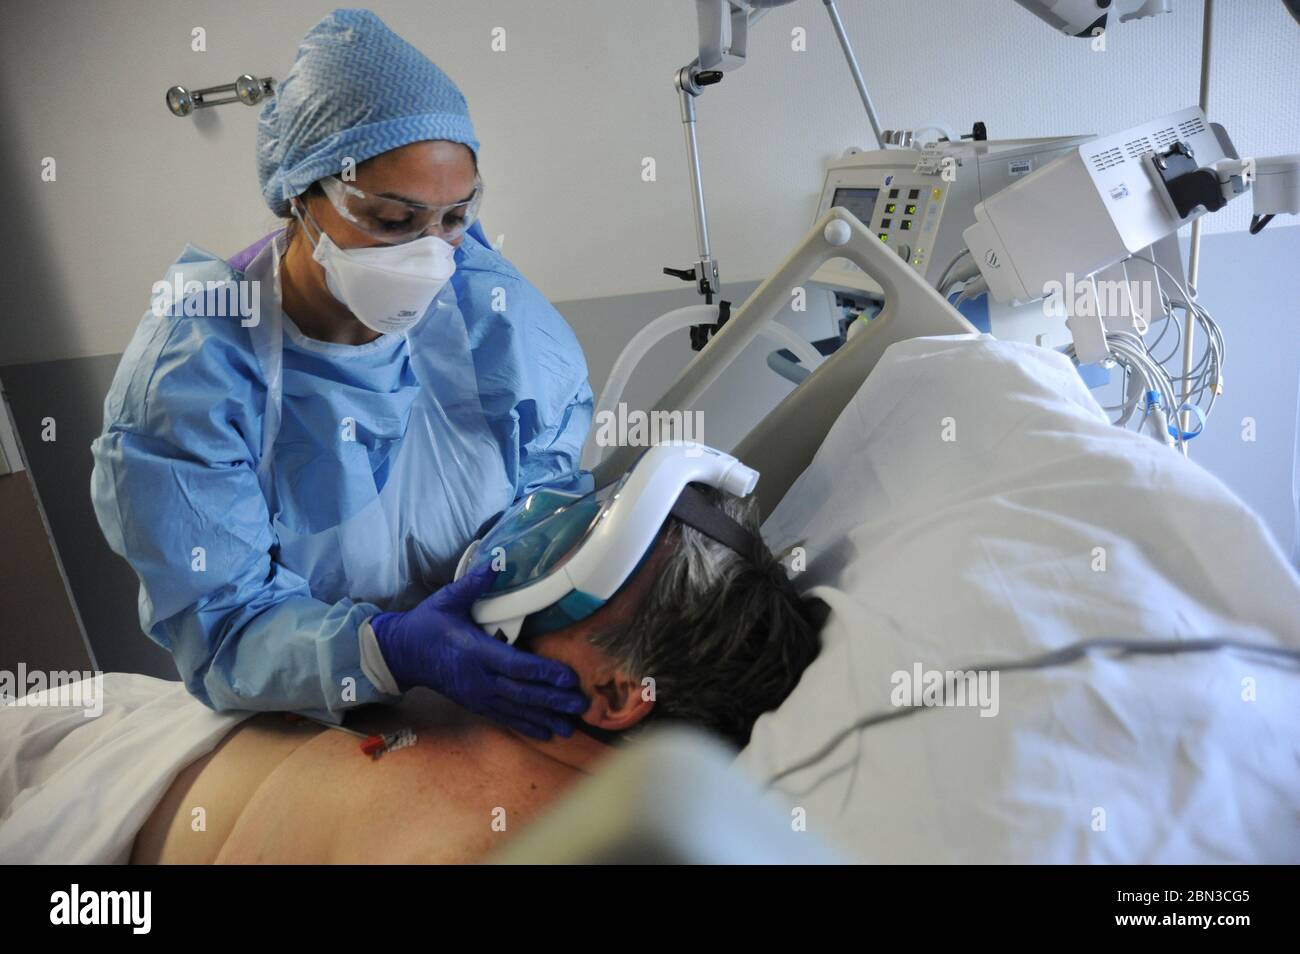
[297,448]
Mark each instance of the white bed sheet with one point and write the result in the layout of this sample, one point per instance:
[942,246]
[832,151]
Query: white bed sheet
[954,553]
[76,790]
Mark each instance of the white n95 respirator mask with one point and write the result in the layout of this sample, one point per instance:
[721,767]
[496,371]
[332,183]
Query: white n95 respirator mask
[387,287]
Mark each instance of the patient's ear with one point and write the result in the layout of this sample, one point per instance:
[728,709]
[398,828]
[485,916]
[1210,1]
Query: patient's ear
[618,701]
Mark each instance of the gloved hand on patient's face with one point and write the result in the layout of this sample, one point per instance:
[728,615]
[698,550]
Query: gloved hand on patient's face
[437,644]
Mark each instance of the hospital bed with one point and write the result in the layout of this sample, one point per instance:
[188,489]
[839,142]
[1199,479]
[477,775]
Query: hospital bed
[1143,624]
[962,505]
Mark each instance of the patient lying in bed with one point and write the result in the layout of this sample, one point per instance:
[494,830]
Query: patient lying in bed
[698,636]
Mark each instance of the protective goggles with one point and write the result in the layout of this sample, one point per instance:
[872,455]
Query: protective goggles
[395,221]
[556,558]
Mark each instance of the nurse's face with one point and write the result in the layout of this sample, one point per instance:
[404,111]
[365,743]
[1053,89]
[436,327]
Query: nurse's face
[433,173]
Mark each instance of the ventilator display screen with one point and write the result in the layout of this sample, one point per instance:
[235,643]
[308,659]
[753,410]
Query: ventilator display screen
[861,202]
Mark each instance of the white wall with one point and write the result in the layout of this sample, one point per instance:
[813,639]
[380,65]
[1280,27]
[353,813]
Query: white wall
[566,114]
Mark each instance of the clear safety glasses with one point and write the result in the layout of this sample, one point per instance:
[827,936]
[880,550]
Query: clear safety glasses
[394,221]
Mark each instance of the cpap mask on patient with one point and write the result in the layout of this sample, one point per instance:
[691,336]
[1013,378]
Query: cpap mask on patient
[557,557]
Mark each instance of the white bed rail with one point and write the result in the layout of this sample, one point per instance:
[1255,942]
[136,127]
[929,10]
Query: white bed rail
[782,445]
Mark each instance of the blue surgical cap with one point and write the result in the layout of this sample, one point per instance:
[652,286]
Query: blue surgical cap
[355,90]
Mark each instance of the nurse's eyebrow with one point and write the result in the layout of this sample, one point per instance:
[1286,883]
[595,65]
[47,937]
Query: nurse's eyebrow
[409,201]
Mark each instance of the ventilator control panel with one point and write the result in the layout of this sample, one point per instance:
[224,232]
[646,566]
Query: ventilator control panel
[903,211]
[919,201]
[906,216]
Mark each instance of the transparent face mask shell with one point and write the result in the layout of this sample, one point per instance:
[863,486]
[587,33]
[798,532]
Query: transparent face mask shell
[537,535]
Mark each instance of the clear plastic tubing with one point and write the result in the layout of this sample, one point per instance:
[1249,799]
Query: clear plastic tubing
[663,326]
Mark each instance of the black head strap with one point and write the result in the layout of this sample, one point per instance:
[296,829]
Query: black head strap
[694,509]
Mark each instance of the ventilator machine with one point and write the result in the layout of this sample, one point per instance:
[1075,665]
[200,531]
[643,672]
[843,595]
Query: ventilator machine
[1065,242]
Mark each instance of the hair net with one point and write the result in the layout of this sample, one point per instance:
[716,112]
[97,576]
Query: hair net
[356,89]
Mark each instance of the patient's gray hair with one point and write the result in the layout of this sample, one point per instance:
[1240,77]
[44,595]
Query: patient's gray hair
[724,636]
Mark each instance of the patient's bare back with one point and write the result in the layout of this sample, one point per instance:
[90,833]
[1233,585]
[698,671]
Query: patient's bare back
[462,790]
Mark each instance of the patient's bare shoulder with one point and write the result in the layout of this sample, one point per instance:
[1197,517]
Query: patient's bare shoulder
[459,792]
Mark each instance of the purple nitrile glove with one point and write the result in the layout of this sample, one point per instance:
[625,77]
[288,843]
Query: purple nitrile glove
[437,644]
